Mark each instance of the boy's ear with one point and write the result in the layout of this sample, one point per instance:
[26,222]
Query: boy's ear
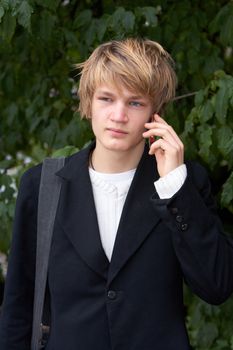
[151,119]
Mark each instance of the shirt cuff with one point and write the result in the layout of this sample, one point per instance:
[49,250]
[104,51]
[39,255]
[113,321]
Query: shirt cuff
[169,184]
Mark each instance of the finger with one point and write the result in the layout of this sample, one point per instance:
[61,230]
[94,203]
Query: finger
[161,123]
[167,149]
[155,125]
[166,135]
[159,119]
[152,125]
[162,144]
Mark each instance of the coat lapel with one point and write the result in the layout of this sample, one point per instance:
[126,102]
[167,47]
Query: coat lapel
[138,217]
[77,214]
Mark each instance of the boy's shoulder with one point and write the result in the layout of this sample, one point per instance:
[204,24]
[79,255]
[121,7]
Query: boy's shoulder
[33,174]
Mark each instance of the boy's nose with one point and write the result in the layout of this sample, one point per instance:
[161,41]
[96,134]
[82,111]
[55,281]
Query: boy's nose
[119,113]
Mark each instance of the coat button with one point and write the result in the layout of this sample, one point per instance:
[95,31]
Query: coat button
[184,227]
[112,294]
[179,218]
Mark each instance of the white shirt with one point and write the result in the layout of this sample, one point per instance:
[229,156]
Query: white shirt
[110,191]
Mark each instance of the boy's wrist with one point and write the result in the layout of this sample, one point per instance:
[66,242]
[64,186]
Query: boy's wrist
[169,184]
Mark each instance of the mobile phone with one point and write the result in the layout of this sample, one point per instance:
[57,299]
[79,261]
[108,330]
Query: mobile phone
[151,138]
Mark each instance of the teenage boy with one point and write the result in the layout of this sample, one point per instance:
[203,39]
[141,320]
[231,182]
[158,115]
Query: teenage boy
[132,223]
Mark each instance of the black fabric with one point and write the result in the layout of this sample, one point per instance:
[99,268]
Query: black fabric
[136,301]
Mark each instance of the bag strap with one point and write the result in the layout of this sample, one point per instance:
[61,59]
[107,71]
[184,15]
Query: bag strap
[49,192]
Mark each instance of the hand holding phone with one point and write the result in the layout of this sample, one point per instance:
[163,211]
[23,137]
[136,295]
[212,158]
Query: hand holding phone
[164,144]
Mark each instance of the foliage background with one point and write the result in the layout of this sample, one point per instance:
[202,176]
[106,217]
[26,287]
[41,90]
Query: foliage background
[40,40]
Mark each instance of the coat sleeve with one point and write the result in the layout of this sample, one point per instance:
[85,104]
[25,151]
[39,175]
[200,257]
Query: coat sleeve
[204,251]
[16,315]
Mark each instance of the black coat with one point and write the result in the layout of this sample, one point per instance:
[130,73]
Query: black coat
[136,301]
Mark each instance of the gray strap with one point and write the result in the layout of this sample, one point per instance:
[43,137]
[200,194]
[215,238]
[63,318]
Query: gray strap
[49,193]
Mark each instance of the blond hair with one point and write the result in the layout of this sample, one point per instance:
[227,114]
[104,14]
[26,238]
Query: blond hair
[141,65]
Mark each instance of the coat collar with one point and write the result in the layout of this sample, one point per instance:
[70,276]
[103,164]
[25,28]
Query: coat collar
[138,216]
[77,214]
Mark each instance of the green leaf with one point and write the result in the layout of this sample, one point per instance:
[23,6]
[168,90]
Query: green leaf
[227,193]
[8,26]
[218,21]
[188,126]
[205,140]
[191,120]
[50,4]
[231,340]
[24,14]
[213,63]
[194,60]
[6,180]
[229,151]
[128,21]
[83,19]
[34,124]
[101,28]
[199,97]
[5,4]
[223,23]
[90,34]
[60,106]
[225,138]
[11,113]
[213,85]
[1,12]
[121,21]
[47,24]
[65,151]
[48,135]
[6,164]
[115,21]
[206,111]
[221,103]
[149,13]
[208,333]
[70,37]
[226,34]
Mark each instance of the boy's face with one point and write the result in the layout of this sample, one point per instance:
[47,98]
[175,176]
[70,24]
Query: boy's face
[118,117]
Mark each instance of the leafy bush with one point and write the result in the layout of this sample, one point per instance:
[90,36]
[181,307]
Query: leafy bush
[40,40]
[208,132]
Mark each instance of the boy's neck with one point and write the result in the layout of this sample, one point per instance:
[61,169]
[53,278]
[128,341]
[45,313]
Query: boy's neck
[109,161]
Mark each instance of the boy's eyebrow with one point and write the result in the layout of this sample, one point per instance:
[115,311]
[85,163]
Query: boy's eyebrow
[108,93]
[137,97]
[104,92]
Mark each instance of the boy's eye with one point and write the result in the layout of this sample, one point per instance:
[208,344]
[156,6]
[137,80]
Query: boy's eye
[106,99]
[135,103]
